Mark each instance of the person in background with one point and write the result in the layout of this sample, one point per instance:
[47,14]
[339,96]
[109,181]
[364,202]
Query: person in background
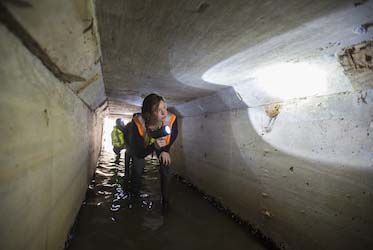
[117,138]
[153,116]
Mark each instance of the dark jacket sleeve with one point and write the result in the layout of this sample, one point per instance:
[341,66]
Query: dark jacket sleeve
[137,143]
[126,133]
[174,133]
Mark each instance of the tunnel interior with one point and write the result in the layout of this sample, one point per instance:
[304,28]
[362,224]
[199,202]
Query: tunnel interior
[274,102]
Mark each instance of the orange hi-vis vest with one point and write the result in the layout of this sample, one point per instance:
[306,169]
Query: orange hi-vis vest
[140,124]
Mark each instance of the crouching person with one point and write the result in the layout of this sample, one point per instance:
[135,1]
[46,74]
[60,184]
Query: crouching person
[153,116]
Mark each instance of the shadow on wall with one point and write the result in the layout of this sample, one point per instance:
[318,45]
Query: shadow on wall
[173,45]
[306,200]
[236,28]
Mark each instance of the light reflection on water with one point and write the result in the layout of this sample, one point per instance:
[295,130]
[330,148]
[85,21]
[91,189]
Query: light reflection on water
[110,218]
[112,191]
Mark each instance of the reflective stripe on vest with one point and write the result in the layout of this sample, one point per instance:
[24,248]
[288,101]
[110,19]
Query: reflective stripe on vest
[140,124]
[169,121]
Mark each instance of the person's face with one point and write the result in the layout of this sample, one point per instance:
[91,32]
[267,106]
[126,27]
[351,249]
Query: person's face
[160,113]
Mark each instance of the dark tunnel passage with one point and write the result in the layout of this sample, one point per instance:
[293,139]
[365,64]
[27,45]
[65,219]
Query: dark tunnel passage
[271,102]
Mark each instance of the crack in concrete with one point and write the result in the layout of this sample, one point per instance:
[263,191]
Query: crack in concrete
[89,81]
[33,46]
[90,27]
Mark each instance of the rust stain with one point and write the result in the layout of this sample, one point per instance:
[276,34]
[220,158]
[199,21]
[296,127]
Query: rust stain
[357,58]
[272,110]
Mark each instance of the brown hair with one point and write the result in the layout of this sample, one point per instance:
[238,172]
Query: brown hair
[149,105]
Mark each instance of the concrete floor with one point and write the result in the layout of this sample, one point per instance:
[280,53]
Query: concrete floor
[192,222]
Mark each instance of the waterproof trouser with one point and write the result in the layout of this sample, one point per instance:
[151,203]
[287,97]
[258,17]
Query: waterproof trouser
[166,173]
[127,161]
[137,171]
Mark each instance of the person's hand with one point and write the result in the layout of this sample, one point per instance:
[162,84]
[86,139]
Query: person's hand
[160,142]
[165,158]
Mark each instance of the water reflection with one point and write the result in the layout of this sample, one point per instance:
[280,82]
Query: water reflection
[111,218]
[109,187]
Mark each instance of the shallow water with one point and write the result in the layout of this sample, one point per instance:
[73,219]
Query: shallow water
[110,219]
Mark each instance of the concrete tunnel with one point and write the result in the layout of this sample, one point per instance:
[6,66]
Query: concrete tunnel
[274,101]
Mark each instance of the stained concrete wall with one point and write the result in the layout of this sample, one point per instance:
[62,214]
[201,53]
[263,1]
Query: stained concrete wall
[49,130]
[304,178]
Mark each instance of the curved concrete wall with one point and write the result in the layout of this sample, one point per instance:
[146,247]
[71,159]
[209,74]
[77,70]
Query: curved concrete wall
[304,178]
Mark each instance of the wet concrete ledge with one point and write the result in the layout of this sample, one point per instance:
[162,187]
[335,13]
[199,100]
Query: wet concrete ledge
[250,228]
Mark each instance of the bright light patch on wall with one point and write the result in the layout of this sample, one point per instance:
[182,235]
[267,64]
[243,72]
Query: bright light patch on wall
[291,80]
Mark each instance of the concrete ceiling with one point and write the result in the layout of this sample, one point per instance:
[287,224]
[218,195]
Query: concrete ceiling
[186,49]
